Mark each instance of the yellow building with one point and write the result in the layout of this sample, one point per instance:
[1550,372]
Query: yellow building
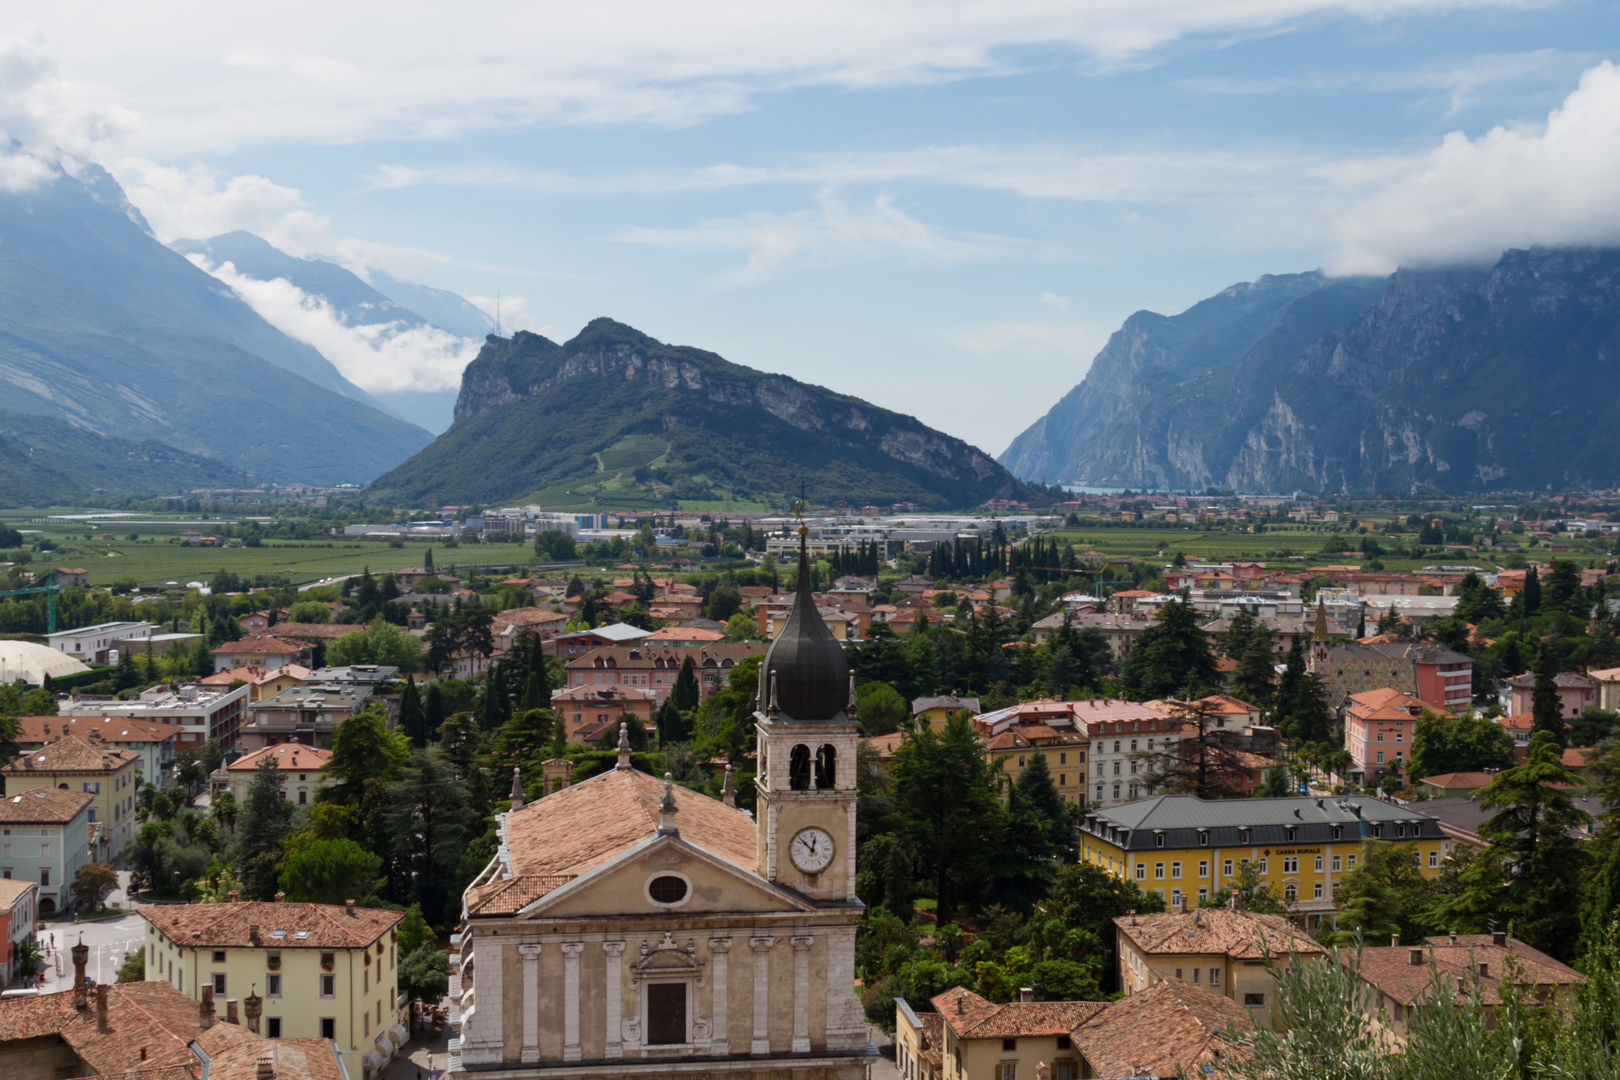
[1187,849]
[321,971]
[936,712]
[85,763]
[1065,754]
[1216,948]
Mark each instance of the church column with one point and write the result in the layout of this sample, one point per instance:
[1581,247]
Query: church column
[762,994]
[571,951]
[801,993]
[770,841]
[720,948]
[615,1004]
[531,1003]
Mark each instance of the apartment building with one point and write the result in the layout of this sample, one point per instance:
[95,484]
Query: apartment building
[45,838]
[108,774]
[153,743]
[200,712]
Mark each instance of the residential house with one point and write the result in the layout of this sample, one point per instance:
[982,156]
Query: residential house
[1119,629]
[302,770]
[96,644]
[580,642]
[19,914]
[508,627]
[256,622]
[66,577]
[936,711]
[1065,752]
[1608,681]
[1576,693]
[155,743]
[1218,948]
[589,711]
[200,712]
[1378,729]
[261,682]
[45,836]
[84,763]
[410,578]
[1403,975]
[1519,725]
[307,713]
[262,651]
[1454,784]
[1187,849]
[325,972]
[690,637]
[656,668]
[1460,817]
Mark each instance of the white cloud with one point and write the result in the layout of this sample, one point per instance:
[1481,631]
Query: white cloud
[47,121]
[323,72]
[513,310]
[1054,300]
[1470,199]
[386,356]
[832,233]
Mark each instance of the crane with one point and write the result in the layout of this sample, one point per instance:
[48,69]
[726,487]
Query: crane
[50,589]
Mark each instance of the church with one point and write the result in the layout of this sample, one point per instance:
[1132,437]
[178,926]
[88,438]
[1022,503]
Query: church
[628,927]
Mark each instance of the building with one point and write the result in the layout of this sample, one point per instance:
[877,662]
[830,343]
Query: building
[301,768]
[154,743]
[108,774]
[307,713]
[1115,734]
[261,682]
[45,838]
[201,713]
[97,644]
[1218,948]
[1454,785]
[1378,729]
[1443,680]
[630,927]
[656,668]
[510,626]
[31,663]
[1576,693]
[147,1030]
[1461,816]
[262,651]
[1065,753]
[322,971]
[590,711]
[67,577]
[1187,849]
[936,711]
[580,642]
[1401,976]
[19,913]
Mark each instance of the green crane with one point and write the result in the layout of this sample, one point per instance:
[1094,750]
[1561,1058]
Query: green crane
[50,590]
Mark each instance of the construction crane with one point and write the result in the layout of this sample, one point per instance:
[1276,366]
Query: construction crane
[50,590]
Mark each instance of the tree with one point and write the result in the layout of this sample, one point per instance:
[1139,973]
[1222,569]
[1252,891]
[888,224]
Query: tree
[1278,784]
[379,643]
[265,819]
[1087,898]
[133,968]
[1249,893]
[434,712]
[685,692]
[1204,761]
[1447,744]
[941,786]
[882,709]
[1531,593]
[1546,708]
[724,602]
[922,659]
[427,818]
[886,876]
[414,931]
[1240,633]
[1387,894]
[1256,669]
[1171,657]
[412,721]
[1037,793]
[331,872]
[362,750]
[92,884]
[424,975]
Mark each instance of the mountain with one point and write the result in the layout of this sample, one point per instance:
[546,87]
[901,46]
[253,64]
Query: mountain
[103,326]
[356,302]
[1475,378]
[44,460]
[617,417]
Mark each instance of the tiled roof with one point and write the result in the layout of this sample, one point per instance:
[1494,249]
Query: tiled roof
[1458,780]
[317,631]
[72,753]
[289,757]
[303,1059]
[1385,703]
[637,655]
[1214,930]
[684,633]
[923,704]
[1568,680]
[113,729]
[972,1017]
[257,675]
[1391,970]
[569,832]
[525,616]
[12,890]
[1518,721]
[592,692]
[1171,1024]
[44,806]
[262,645]
[324,926]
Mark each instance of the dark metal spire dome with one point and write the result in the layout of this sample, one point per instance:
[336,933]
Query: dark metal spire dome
[806,663]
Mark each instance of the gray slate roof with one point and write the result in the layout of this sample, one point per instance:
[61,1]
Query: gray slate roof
[1181,818]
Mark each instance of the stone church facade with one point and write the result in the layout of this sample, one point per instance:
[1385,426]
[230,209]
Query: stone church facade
[628,927]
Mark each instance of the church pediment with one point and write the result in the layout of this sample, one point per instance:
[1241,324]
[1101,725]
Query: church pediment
[666,875]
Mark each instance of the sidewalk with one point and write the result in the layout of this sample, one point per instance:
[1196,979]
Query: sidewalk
[416,1057]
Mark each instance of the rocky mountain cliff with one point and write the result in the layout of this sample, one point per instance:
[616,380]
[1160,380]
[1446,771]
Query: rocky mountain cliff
[1460,379]
[634,420]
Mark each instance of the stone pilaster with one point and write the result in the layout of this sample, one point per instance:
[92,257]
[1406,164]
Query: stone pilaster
[720,949]
[530,1053]
[761,1043]
[571,951]
[615,1003]
[801,993]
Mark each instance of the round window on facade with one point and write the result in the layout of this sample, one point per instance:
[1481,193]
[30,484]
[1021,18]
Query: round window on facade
[669,890]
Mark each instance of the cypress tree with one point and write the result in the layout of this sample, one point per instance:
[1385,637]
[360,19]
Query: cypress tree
[685,693]
[412,720]
[1546,709]
[1037,793]
[1532,591]
[433,710]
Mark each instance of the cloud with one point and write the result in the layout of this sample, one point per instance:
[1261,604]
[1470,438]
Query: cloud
[514,314]
[1070,341]
[1471,199]
[48,122]
[386,356]
[333,73]
[1054,300]
[833,233]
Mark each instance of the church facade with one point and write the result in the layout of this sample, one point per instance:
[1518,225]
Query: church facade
[628,927]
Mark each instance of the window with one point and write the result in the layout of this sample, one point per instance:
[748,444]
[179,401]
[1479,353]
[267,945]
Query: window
[1020,761]
[1116,768]
[1141,871]
[44,875]
[1175,869]
[1203,894]
[667,890]
[1063,779]
[1133,746]
[328,986]
[1203,839]
[219,956]
[666,1014]
[1317,893]
[1116,746]
[1063,1042]
[1290,893]
[1065,1068]
[1116,786]
[1203,868]
[1380,736]
[1063,759]
[273,1026]
[1175,898]
[328,1027]
[272,985]
[1291,865]
[1009,1045]
[93,787]
[1350,862]
[92,814]
[1319,864]
[365,982]
[1265,866]
[219,984]
[1214,976]
[1198,976]
[1226,867]
[1380,762]
[1337,861]
[1158,871]
[1006,1070]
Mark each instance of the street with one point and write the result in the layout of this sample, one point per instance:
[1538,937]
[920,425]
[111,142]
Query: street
[108,940]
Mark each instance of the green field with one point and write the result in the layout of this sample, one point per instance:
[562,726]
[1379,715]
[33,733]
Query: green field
[1306,547]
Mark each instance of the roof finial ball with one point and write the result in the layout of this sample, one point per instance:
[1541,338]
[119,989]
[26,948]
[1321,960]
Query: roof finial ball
[624,748]
[667,809]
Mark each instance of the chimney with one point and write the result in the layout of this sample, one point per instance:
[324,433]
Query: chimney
[81,955]
[1454,939]
[1484,970]
[230,1011]
[348,905]
[1394,941]
[253,933]
[252,1005]
[281,897]
[1026,995]
[101,1010]
[266,1071]
[1415,957]
[1499,939]
[234,896]
[728,791]
[205,1011]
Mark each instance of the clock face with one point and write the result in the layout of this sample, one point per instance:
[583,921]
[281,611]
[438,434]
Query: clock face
[811,850]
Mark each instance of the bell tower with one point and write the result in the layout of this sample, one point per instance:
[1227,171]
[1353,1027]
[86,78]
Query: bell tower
[807,728]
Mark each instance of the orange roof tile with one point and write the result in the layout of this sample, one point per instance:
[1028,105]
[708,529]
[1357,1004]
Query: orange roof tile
[71,753]
[1171,1024]
[110,728]
[323,926]
[1214,930]
[289,757]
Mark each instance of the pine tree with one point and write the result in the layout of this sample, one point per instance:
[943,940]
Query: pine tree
[427,560]
[1171,657]
[263,821]
[942,788]
[685,692]
[1256,670]
[434,712]
[1546,708]
[1532,592]
[1036,791]
[412,720]
[1235,642]
[922,659]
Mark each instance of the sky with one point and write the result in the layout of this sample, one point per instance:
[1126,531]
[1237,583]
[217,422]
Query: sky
[944,208]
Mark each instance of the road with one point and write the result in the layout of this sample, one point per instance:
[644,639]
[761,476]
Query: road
[108,940]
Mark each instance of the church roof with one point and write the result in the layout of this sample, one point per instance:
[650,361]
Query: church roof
[553,840]
[807,664]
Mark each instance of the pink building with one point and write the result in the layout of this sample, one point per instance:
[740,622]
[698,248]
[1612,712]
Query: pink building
[1576,692]
[19,912]
[1378,729]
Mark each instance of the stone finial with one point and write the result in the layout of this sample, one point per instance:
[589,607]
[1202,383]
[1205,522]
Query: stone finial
[667,809]
[624,748]
[517,789]
[728,790]
[851,708]
[773,708]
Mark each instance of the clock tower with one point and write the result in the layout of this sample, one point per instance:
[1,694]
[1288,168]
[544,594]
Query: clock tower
[807,728]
